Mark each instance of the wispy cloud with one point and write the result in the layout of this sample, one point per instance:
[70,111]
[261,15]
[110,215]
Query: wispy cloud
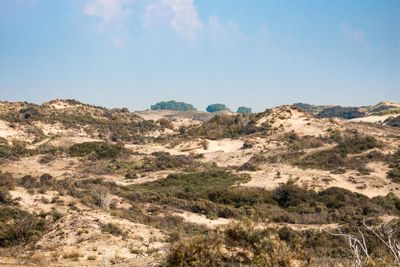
[224,30]
[182,16]
[107,10]
[111,18]
[357,35]
[186,19]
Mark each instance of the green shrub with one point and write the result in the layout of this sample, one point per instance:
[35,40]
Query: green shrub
[294,141]
[388,202]
[393,121]
[356,143]
[18,226]
[191,186]
[394,163]
[28,181]
[7,183]
[324,159]
[17,149]
[101,150]
[394,175]
[30,113]
[289,195]
[164,161]
[188,192]
[46,179]
[5,196]
[7,180]
[337,158]
[239,245]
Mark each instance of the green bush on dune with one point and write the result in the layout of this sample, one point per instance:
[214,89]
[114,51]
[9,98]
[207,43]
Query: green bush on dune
[394,173]
[102,150]
[18,226]
[338,157]
[192,185]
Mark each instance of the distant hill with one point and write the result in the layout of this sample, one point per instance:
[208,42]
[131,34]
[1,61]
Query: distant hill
[382,108]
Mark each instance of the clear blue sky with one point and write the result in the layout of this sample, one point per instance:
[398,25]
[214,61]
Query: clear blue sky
[257,53]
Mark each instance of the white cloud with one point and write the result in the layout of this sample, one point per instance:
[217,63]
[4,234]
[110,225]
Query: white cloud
[111,16]
[186,18]
[353,34]
[182,16]
[107,10]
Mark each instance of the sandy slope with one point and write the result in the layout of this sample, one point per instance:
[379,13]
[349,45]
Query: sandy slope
[374,184]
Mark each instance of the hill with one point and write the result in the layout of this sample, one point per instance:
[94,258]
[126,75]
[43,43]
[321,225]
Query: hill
[381,109]
[82,185]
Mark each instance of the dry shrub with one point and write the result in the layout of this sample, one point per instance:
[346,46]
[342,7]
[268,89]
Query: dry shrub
[226,126]
[239,245]
[166,123]
[112,229]
[72,255]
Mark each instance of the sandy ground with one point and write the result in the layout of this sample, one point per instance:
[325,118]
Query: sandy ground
[214,223]
[81,233]
[288,119]
[13,133]
[59,168]
[202,219]
[374,184]
[372,119]
[38,202]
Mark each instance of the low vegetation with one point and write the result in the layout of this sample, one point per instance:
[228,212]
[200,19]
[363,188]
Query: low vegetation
[238,245]
[15,150]
[393,121]
[192,185]
[394,173]
[226,126]
[112,229]
[100,150]
[340,157]
[18,226]
[295,142]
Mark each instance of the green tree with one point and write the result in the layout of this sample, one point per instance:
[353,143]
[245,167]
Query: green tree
[173,105]
[216,107]
[244,110]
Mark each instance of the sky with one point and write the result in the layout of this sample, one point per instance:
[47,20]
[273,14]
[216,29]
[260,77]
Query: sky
[256,53]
